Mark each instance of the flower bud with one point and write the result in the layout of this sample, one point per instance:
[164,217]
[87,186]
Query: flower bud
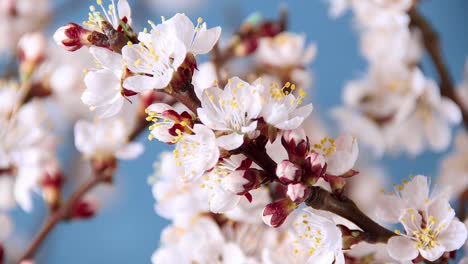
[274,214]
[297,192]
[32,47]
[314,168]
[86,208]
[72,37]
[52,182]
[296,144]
[288,172]
[241,182]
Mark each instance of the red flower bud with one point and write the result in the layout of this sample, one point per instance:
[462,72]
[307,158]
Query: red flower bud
[297,192]
[72,37]
[296,144]
[276,213]
[288,172]
[314,168]
[85,209]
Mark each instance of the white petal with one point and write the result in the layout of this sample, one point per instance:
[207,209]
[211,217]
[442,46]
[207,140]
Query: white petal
[6,226]
[416,192]
[343,159]
[438,134]
[107,58]
[205,40]
[454,236]
[432,254]
[402,248]
[140,83]
[450,110]
[130,151]
[231,141]
[125,10]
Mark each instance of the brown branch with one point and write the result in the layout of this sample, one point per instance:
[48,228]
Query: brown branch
[321,199]
[62,214]
[433,47]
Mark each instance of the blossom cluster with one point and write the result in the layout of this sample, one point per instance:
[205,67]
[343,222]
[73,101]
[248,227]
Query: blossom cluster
[393,107]
[254,177]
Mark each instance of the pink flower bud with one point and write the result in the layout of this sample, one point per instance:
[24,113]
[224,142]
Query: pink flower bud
[274,214]
[86,208]
[296,144]
[72,37]
[288,172]
[32,47]
[297,192]
[314,168]
[242,181]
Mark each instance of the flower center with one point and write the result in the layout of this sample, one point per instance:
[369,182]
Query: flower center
[327,146]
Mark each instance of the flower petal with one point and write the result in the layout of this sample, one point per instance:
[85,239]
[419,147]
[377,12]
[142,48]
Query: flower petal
[205,40]
[231,141]
[402,248]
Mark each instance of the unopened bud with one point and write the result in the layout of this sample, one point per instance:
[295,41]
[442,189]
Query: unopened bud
[32,47]
[72,37]
[288,172]
[296,144]
[241,182]
[85,209]
[314,168]
[297,192]
[274,214]
[52,182]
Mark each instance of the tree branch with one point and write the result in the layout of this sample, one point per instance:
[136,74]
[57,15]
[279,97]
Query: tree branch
[321,199]
[63,213]
[433,47]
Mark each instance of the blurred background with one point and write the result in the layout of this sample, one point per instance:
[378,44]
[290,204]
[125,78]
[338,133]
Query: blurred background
[127,229]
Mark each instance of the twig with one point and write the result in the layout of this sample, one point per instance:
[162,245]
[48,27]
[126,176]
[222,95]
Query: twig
[61,214]
[433,47]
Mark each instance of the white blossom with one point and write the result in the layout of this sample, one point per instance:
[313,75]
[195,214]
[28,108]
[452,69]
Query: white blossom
[454,169]
[318,237]
[164,50]
[105,139]
[197,152]
[103,92]
[232,111]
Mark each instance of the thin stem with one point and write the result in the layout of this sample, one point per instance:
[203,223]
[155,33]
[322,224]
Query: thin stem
[433,47]
[63,213]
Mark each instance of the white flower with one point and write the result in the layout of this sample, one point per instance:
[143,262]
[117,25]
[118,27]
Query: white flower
[114,14]
[454,169]
[103,92]
[168,124]
[318,236]
[250,212]
[204,78]
[412,194]
[176,200]
[105,139]
[26,148]
[197,152]
[280,106]
[430,232]
[10,97]
[164,50]
[232,111]
[197,40]
[340,154]
[202,242]
[285,50]
[377,253]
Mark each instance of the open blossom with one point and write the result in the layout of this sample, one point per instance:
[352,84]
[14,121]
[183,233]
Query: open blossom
[232,111]
[281,107]
[454,169]
[25,151]
[317,236]
[105,139]
[168,124]
[114,15]
[340,154]
[104,93]
[197,152]
[176,200]
[430,224]
[164,49]
[285,50]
